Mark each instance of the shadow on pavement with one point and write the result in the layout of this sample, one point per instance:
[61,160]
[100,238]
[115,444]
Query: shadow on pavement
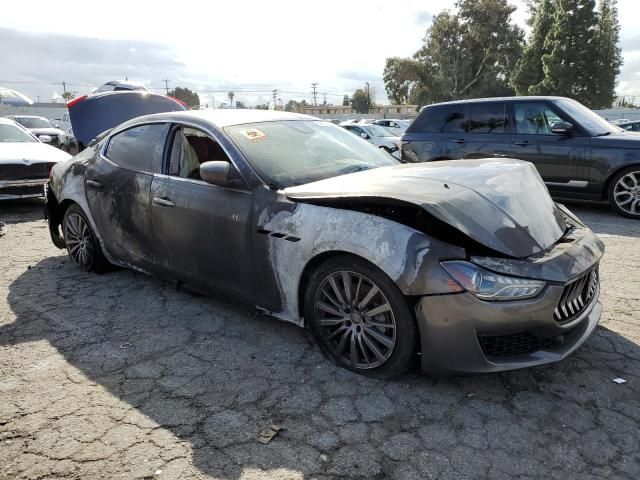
[20,211]
[216,374]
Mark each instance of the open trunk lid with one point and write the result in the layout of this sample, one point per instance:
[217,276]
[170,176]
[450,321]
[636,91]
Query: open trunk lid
[93,114]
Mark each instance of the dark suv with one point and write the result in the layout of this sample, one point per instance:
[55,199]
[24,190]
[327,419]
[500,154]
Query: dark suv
[578,154]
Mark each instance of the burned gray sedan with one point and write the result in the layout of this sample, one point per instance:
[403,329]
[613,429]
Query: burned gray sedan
[463,266]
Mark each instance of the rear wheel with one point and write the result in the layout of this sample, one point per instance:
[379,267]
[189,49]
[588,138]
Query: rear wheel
[359,318]
[81,243]
[624,192]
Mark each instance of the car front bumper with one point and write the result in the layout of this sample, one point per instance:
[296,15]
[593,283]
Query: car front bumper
[463,334]
[13,189]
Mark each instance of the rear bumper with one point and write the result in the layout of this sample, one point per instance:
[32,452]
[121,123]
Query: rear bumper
[12,189]
[463,334]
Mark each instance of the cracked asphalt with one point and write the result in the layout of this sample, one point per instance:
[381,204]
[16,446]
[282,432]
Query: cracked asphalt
[121,376]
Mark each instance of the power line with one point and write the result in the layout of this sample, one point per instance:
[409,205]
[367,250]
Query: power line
[314,85]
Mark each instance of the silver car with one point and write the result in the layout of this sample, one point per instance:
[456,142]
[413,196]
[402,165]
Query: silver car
[462,266]
[376,135]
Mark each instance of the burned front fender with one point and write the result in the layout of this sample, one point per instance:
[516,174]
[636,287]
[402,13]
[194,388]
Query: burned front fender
[409,257]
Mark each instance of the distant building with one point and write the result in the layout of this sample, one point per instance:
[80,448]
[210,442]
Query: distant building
[385,111]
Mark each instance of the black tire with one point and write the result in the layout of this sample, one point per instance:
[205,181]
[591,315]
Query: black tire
[624,196]
[368,337]
[81,242]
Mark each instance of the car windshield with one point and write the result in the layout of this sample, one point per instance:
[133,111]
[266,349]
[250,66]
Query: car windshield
[11,133]
[588,119]
[377,131]
[294,152]
[34,122]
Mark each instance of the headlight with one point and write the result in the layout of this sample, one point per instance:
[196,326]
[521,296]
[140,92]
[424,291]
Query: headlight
[491,286]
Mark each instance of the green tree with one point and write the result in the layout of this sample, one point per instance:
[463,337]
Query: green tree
[569,67]
[529,71]
[607,55]
[360,101]
[190,98]
[469,53]
[293,105]
[231,95]
[346,101]
[68,96]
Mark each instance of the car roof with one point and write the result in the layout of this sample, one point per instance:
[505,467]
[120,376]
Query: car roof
[498,99]
[223,117]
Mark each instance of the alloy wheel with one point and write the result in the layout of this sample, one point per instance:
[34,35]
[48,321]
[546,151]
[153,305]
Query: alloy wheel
[626,193]
[355,320]
[79,240]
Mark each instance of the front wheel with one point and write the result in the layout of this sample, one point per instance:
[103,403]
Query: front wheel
[81,243]
[624,192]
[359,318]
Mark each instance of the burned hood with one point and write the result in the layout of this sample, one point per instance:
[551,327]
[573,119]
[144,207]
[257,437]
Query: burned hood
[500,203]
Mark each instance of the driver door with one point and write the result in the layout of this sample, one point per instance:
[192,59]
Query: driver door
[203,229]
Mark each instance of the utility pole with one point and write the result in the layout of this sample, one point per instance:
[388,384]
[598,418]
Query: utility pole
[64,88]
[275,96]
[38,98]
[166,85]
[314,85]
[325,99]
[368,98]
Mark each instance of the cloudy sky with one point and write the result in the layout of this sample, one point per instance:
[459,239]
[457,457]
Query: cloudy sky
[250,46]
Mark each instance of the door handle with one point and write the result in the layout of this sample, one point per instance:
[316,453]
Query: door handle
[459,140]
[163,202]
[94,184]
[522,143]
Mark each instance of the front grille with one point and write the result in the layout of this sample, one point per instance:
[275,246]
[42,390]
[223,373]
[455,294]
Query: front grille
[521,343]
[26,190]
[22,171]
[577,296]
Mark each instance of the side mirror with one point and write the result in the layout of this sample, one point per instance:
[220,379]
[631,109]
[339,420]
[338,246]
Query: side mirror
[562,128]
[364,135]
[44,138]
[216,173]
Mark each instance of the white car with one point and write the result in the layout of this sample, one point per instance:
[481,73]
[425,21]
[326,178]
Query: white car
[379,136]
[25,161]
[395,126]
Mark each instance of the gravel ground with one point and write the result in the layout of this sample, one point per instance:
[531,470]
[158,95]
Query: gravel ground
[122,376]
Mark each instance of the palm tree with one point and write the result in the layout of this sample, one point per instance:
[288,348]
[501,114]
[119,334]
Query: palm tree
[231,95]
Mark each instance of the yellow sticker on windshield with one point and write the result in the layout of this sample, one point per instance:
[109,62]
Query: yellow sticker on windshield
[254,134]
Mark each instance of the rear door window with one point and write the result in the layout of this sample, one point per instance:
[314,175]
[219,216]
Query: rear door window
[488,118]
[139,148]
[441,119]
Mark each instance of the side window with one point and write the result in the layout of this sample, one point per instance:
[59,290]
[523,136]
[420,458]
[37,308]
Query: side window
[488,118]
[139,148]
[535,118]
[190,148]
[440,119]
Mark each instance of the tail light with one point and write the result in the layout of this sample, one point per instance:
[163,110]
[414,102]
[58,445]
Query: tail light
[76,100]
